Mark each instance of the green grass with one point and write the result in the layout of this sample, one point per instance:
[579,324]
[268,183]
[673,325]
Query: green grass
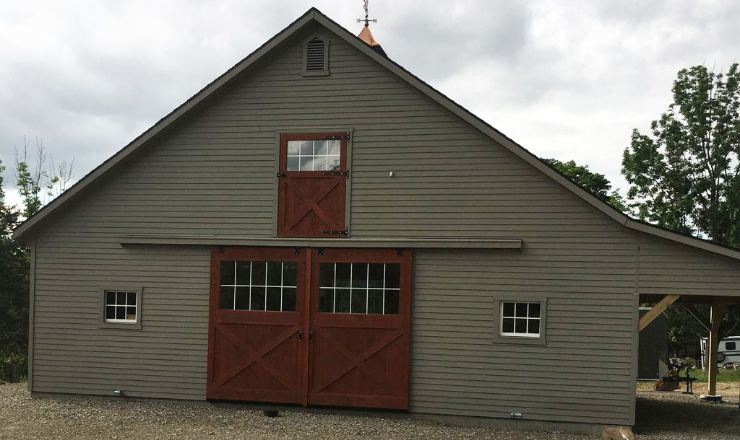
[724,375]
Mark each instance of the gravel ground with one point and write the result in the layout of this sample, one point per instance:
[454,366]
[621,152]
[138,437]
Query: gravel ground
[84,418]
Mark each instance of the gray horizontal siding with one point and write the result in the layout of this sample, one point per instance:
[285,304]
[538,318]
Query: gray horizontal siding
[213,174]
[669,267]
[582,374]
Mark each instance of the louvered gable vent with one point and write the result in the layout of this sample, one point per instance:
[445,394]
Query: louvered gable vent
[316,54]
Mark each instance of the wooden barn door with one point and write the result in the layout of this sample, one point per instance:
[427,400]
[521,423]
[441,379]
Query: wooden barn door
[313,327]
[257,346]
[313,181]
[360,324]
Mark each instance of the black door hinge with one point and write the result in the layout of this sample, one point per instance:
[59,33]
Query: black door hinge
[345,232]
[281,174]
[341,137]
[337,173]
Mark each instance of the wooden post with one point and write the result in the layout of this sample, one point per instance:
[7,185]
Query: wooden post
[715,317]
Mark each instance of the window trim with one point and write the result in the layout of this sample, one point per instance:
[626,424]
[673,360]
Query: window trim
[327,43]
[120,324]
[499,337]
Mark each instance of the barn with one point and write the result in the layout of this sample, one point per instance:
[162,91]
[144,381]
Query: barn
[319,227]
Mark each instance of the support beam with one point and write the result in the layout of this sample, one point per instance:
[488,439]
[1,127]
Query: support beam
[716,313]
[697,315]
[657,309]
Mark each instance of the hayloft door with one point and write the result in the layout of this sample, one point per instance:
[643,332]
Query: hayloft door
[312,185]
[257,347]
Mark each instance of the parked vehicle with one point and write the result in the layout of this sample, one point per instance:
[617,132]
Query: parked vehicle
[728,351]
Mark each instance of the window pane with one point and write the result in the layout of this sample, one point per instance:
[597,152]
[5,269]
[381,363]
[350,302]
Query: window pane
[110,298]
[289,274]
[293,147]
[110,312]
[343,270]
[326,300]
[258,273]
[392,275]
[306,148]
[289,299]
[121,298]
[534,310]
[534,326]
[342,301]
[332,163]
[508,309]
[376,275]
[359,275]
[274,273]
[258,298]
[293,163]
[326,274]
[359,298]
[521,310]
[242,272]
[227,298]
[131,313]
[334,146]
[120,312]
[391,302]
[507,326]
[131,298]
[306,163]
[273,298]
[320,148]
[375,301]
[319,163]
[242,298]
[227,272]
[520,326]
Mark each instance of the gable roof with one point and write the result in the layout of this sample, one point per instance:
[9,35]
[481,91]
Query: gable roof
[314,15]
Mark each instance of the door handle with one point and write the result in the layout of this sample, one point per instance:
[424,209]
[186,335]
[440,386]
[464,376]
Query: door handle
[300,335]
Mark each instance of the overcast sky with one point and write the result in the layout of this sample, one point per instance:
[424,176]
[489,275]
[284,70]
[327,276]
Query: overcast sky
[565,79]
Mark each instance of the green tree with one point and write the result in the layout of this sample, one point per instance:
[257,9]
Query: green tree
[13,286]
[685,174]
[595,183]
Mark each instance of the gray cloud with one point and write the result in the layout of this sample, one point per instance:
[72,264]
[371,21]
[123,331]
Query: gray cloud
[566,79]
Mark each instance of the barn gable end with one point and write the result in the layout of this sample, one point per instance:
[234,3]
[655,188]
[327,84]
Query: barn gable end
[419,171]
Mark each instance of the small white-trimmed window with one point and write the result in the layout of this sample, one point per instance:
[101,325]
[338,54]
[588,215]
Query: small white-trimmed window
[121,308]
[521,319]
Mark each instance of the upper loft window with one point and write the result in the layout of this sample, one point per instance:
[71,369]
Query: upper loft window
[316,57]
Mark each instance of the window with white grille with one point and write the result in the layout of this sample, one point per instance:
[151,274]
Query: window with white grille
[521,318]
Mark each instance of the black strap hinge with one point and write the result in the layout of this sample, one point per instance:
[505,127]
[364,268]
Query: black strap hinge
[337,173]
[345,232]
[341,137]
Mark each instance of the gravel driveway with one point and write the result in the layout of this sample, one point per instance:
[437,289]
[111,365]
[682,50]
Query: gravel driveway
[90,418]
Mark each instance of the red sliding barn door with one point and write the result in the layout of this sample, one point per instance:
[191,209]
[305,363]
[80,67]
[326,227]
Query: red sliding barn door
[310,326]
[256,335]
[313,181]
[360,324]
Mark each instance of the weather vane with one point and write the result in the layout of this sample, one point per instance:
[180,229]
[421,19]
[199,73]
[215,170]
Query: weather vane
[366,20]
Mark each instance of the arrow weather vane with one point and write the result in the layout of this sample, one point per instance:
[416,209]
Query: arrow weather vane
[366,19]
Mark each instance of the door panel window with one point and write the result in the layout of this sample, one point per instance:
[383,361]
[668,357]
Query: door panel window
[258,285]
[364,288]
[316,155]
